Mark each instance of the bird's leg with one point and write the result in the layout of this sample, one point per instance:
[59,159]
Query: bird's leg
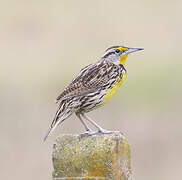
[88,130]
[84,124]
[100,130]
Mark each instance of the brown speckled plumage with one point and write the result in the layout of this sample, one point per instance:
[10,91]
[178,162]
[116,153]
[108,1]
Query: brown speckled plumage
[89,88]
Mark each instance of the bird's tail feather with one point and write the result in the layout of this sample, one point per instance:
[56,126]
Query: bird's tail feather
[48,133]
[55,122]
[58,119]
[51,129]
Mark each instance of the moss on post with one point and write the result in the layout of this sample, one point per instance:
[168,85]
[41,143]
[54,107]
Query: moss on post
[101,156]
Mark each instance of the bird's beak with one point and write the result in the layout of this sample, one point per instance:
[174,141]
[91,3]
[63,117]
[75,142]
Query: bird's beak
[131,50]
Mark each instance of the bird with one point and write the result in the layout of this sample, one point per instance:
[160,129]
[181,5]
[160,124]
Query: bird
[93,87]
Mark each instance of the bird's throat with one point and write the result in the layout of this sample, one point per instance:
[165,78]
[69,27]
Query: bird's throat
[123,59]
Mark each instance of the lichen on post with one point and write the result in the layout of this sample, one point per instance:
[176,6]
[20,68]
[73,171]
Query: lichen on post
[100,156]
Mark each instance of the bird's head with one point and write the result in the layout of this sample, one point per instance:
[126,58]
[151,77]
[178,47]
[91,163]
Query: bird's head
[118,54]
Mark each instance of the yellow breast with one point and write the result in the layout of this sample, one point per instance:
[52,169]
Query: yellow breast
[113,90]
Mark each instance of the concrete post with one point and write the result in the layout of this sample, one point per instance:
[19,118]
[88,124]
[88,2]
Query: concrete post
[100,156]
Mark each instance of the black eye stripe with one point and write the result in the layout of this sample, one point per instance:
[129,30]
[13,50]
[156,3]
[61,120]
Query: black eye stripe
[108,54]
[112,52]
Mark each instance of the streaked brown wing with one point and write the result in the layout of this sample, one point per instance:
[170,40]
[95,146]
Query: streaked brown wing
[73,90]
[90,79]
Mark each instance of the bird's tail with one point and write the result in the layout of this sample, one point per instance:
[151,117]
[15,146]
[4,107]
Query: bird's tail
[60,116]
[51,129]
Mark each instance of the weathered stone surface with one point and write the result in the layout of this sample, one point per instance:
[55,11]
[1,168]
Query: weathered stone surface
[101,156]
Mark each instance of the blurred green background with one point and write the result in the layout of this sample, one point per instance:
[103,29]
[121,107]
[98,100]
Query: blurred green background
[45,43]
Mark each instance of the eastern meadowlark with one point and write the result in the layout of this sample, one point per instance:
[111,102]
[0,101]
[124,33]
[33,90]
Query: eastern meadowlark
[93,87]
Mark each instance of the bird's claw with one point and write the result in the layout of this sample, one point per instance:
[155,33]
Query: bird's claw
[100,131]
[87,133]
[104,131]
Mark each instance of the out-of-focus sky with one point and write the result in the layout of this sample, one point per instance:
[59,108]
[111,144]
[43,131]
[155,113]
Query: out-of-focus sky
[44,44]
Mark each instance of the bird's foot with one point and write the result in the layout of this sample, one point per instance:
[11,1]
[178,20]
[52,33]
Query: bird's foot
[104,131]
[87,133]
[100,131]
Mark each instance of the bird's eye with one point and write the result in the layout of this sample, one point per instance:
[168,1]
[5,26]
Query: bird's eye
[117,51]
